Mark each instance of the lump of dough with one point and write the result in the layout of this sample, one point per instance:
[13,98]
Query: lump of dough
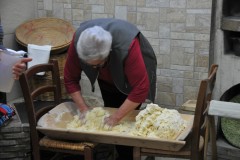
[155,121]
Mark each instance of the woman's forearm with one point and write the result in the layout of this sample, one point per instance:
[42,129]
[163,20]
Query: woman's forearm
[79,100]
[125,108]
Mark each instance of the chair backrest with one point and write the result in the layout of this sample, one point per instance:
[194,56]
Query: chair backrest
[30,93]
[200,116]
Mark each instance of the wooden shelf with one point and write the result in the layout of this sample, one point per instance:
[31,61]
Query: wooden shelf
[231,24]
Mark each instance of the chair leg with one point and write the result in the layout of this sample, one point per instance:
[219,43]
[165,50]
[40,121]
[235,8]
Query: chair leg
[88,153]
[213,137]
[206,140]
[136,153]
[36,152]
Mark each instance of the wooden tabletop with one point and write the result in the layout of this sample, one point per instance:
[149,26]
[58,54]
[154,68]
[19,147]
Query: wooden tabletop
[117,138]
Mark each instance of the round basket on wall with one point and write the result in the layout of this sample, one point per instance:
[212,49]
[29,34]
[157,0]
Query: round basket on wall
[229,126]
[46,31]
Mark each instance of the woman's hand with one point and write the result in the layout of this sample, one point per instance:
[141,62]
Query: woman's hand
[20,67]
[82,113]
[127,107]
[110,122]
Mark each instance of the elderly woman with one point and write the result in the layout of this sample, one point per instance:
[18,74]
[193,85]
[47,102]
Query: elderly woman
[115,53]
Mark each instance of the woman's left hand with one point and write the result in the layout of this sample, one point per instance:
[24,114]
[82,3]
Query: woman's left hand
[110,122]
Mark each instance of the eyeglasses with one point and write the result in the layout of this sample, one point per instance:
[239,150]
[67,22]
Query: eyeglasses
[102,63]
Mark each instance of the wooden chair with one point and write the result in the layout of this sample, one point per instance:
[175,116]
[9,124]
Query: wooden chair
[35,109]
[195,141]
[190,105]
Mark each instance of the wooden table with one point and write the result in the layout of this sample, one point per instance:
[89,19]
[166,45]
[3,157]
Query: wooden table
[115,138]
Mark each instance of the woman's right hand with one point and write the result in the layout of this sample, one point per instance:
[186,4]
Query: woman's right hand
[82,113]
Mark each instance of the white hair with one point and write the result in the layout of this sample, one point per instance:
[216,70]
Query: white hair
[94,44]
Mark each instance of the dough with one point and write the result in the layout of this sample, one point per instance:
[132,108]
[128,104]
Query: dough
[155,121]
[94,122]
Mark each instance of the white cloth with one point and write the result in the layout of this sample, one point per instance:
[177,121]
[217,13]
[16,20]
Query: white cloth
[39,55]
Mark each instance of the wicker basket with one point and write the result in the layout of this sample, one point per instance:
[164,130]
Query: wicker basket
[61,58]
[46,31]
[46,79]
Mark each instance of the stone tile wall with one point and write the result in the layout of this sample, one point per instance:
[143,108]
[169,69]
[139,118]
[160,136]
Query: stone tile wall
[15,140]
[179,31]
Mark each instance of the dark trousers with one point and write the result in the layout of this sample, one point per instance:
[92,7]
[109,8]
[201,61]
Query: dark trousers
[112,97]
[3,98]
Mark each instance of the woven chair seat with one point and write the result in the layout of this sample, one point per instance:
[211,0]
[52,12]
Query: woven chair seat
[52,143]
